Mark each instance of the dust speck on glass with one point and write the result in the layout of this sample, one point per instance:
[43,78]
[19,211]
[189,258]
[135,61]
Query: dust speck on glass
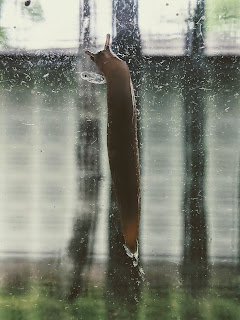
[27,3]
[62,247]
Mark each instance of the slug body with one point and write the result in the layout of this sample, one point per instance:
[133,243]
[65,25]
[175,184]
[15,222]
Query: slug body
[122,141]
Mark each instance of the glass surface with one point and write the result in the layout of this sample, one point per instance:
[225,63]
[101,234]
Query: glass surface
[61,253]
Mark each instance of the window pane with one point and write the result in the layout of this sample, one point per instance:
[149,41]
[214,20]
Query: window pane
[223,27]
[163,25]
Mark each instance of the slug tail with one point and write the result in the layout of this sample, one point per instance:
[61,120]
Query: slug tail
[135,260]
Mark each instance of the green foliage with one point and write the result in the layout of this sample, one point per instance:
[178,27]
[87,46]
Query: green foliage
[223,309]
[178,304]
[17,283]
[223,13]
[1,2]
[171,303]
[41,303]
[35,11]
[3,36]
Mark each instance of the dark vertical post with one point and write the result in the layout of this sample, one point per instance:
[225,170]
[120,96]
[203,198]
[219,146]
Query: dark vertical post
[195,264]
[123,279]
[85,23]
[238,201]
[88,166]
[127,42]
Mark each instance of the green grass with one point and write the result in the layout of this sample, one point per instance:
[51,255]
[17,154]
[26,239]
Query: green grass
[224,14]
[42,302]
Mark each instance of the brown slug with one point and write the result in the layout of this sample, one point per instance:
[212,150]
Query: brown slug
[122,140]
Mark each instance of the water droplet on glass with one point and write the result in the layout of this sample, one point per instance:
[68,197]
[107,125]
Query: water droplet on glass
[93,77]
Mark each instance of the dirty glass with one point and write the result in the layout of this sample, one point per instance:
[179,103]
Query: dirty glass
[62,253]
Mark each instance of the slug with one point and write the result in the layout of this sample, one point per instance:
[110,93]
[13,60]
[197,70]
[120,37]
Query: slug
[122,142]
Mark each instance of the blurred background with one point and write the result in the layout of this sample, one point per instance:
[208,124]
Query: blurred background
[61,254]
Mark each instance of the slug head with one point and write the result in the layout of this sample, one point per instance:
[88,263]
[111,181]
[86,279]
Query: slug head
[102,58]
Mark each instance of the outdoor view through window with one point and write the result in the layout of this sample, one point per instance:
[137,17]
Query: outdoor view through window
[83,158]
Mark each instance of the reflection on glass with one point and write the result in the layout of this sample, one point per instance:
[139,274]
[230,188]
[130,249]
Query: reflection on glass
[60,241]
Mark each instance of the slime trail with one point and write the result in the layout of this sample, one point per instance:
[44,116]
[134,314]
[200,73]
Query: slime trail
[136,261]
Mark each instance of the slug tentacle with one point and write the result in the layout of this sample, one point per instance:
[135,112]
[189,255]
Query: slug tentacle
[107,43]
[90,54]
